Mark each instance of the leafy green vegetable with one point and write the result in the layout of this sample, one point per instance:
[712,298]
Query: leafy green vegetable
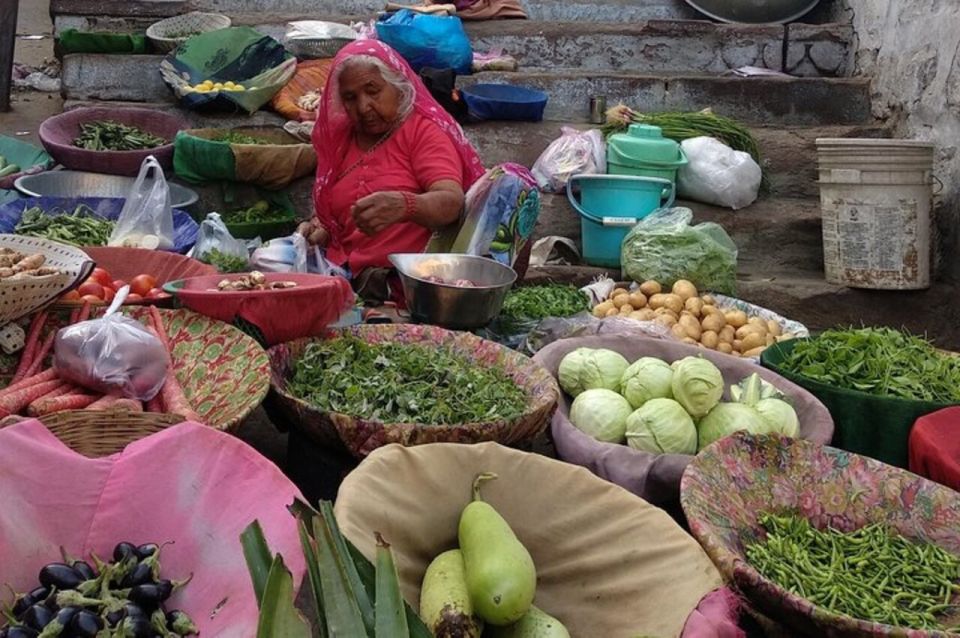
[235,137]
[107,135]
[697,385]
[602,414]
[403,383]
[81,227]
[780,416]
[725,419]
[588,368]
[258,213]
[540,302]
[646,378]
[662,426]
[223,262]
[880,361]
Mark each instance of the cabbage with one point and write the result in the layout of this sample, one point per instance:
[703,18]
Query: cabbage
[727,418]
[646,378]
[588,369]
[697,385]
[780,416]
[662,426]
[602,414]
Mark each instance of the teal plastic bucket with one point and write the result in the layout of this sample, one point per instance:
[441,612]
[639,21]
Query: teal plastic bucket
[609,206]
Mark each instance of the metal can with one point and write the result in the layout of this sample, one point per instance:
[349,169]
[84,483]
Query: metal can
[598,109]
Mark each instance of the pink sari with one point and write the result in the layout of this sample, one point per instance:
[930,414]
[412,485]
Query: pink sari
[333,130]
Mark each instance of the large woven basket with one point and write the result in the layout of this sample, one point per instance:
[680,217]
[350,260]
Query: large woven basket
[96,434]
[362,436]
[315,49]
[21,297]
[168,34]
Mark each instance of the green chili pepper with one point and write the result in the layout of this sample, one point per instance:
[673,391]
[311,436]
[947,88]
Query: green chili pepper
[107,135]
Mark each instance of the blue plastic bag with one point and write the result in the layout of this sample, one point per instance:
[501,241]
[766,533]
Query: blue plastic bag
[427,41]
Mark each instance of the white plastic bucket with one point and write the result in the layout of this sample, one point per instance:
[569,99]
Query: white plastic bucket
[876,199]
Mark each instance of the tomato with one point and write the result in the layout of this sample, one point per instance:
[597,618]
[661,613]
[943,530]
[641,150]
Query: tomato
[118,284]
[142,284]
[109,294]
[134,297]
[90,288]
[102,277]
[93,299]
[73,295]
[155,293]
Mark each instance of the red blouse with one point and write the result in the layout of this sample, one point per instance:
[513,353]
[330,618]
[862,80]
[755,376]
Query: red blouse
[418,155]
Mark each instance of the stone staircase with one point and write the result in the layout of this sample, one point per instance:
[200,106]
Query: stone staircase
[651,54]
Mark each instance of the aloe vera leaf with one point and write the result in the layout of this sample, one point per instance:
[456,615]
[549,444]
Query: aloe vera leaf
[364,597]
[258,556]
[313,571]
[339,599]
[391,617]
[278,614]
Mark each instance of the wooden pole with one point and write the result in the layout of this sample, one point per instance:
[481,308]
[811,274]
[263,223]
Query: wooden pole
[8,38]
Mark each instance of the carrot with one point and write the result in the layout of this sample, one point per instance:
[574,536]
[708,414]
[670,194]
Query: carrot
[26,382]
[62,389]
[61,403]
[85,311]
[19,399]
[42,354]
[105,402]
[161,331]
[33,338]
[174,400]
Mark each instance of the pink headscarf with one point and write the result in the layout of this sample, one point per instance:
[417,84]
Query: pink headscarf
[333,129]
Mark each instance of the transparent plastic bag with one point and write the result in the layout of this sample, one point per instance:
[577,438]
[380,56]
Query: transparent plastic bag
[146,220]
[665,247]
[113,355]
[574,152]
[214,235]
[293,254]
[716,174]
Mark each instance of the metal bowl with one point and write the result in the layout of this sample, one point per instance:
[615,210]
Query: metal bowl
[453,307]
[83,184]
[754,11]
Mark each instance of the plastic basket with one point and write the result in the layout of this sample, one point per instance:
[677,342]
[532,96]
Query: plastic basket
[161,33]
[505,102]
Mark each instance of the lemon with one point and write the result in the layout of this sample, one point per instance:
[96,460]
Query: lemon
[207,83]
[228,84]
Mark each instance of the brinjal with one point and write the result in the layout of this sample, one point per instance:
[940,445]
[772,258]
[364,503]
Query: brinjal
[147,550]
[37,617]
[85,624]
[181,623]
[60,576]
[65,615]
[139,575]
[37,595]
[84,569]
[151,595]
[22,632]
[133,610]
[124,551]
[137,628]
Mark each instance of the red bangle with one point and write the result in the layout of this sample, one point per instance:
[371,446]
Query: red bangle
[410,201]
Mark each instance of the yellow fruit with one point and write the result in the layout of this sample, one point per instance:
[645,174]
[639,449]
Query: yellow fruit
[202,89]
[239,87]
[228,84]
[218,85]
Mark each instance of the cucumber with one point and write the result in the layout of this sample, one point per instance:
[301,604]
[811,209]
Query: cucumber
[535,623]
[444,601]
[501,577]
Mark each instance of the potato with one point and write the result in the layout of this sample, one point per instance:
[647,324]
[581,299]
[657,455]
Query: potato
[638,299]
[637,315]
[710,300]
[753,340]
[673,302]
[621,299]
[600,310]
[710,339]
[710,310]
[665,320]
[724,347]
[626,309]
[656,301]
[679,331]
[735,354]
[713,322]
[619,291]
[757,321]
[613,312]
[684,289]
[735,318]
[694,305]
[737,345]
[666,311]
[754,352]
[743,331]
[691,326]
[689,341]
[645,314]
[773,328]
[727,334]
[650,288]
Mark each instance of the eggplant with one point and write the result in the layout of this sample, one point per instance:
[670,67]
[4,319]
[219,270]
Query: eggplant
[60,576]
[85,624]
[84,569]
[179,622]
[147,550]
[139,575]
[65,615]
[123,551]
[151,595]
[137,628]
[22,632]
[37,595]
[133,610]
[37,617]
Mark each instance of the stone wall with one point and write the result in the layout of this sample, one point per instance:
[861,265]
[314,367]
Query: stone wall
[911,48]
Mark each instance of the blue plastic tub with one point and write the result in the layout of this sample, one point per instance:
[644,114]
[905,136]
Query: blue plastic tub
[609,206]
[185,229]
[505,102]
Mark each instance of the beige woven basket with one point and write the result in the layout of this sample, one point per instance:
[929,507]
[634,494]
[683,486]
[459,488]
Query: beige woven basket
[98,433]
[170,33]
[21,297]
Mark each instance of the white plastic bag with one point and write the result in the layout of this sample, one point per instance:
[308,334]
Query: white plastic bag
[319,30]
[574,152]
[113,355]
[146,220]
[716,174]
[293,254]
[214,235]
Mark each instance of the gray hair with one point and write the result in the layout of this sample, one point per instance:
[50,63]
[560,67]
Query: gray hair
[406,89]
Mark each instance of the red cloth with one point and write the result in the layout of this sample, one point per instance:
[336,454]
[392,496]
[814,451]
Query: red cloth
[414,158]
[935,447]
[716,616]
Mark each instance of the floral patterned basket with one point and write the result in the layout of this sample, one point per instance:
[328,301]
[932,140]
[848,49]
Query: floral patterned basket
[734,480]
[363,436]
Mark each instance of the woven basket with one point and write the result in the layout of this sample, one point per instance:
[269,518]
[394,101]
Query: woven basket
[196,22]
[19,298]
[95,434]
[315,48]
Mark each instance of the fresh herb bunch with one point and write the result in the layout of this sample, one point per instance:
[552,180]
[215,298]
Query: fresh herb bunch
[81,227]
[235,137]
[540,302]
[871,574]
[223,262]
[258,213]
[107,135]
[403,383]
[880,361]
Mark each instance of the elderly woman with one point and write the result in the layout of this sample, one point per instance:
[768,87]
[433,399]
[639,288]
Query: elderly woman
[394,169]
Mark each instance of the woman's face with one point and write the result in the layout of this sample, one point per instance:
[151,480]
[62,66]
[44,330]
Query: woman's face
[372,103]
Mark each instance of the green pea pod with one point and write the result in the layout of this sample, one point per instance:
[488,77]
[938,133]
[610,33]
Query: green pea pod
[390,613]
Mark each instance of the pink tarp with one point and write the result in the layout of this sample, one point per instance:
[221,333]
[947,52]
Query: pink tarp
[190,485]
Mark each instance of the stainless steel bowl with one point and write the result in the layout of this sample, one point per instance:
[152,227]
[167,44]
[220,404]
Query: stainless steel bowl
[83,184]
[454,307]
[754,11]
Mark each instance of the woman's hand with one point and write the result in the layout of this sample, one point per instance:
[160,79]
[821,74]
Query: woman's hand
[315,233]
[375,212]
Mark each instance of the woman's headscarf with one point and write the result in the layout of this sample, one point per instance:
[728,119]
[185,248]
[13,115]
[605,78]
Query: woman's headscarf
[332,132]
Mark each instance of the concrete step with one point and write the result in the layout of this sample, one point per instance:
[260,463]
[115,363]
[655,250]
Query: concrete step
[795,101]
[650,46]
